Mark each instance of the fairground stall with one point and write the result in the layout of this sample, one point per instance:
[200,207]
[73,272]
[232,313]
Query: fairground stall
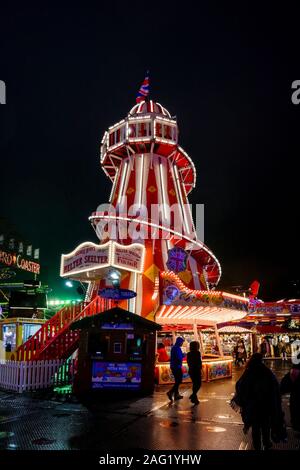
[275,340]
[232,335]
[16,331]
[194,315]
[275,326]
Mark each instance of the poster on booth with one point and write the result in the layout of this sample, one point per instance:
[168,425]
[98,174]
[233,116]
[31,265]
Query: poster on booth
[165,375]
[116,375]
[219,370]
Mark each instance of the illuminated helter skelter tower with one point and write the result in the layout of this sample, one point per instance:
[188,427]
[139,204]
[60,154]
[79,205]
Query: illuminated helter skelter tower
[151,178]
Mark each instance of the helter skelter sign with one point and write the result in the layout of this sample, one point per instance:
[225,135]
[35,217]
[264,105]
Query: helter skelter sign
[88,260]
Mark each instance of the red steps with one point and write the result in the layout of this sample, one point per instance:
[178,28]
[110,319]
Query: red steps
[55,340]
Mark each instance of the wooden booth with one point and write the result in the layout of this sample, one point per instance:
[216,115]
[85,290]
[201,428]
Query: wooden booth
[116,352]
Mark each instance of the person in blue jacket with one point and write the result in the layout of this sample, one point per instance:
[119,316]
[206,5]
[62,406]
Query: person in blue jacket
[176,368]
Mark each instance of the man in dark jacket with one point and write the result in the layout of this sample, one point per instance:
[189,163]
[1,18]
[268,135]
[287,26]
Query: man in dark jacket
[257,394]
[176,368]
[291,384]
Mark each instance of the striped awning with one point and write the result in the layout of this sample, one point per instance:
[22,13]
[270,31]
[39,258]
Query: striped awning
[201,315]
[233,329]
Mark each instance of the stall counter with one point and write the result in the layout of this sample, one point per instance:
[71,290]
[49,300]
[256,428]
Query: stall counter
[213,368]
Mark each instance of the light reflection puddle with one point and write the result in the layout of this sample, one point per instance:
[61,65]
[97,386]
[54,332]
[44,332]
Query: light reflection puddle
[168,424]
[215,429]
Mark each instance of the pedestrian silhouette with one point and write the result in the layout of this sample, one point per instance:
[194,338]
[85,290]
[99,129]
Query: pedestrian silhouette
[291,384]
[176,368]
[195,366]
[258,397]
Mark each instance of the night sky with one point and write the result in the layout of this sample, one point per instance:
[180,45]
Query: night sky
[224,71]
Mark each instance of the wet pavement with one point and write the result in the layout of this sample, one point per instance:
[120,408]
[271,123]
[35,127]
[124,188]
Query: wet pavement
[29,423]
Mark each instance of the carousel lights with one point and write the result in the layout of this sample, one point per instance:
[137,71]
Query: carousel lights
[145,117]
[165,120]
[113,188]
[182,286]
[162,182]
[96,215]
[156,288]
[141,177]
[116,145]
[123,177]
[117,124]
[164,110]
[138,108]
[139,139]
[177,182]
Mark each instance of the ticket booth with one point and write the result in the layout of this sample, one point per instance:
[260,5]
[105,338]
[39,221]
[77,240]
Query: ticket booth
[116,353]
[14,332]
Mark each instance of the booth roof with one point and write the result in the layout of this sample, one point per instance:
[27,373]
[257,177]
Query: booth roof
[115,315]
[273,329]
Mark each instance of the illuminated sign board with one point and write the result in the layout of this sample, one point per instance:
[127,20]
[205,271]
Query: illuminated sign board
[19,262]
[88,258]
[117,294]
[84,258]
[128,257]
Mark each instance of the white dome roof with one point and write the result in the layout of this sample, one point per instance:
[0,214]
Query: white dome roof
[145,107]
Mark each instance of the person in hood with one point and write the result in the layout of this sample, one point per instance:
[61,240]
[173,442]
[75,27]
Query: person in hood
[291,384]
[258,396]
[176,368]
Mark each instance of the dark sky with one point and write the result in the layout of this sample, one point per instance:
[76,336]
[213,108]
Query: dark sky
[224,70]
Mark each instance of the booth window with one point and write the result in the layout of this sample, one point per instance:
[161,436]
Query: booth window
[97,346]
[9,337]
[136,346]
[117,348]
[29,329]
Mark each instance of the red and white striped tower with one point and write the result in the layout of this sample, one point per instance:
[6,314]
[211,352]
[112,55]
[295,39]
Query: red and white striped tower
[150,174]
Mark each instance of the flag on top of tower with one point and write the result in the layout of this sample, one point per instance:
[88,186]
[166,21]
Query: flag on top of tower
[144,89]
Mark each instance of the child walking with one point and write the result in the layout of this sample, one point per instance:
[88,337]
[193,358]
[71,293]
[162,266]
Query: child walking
[195,366]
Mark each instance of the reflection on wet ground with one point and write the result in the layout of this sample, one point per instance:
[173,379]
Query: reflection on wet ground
[146,423]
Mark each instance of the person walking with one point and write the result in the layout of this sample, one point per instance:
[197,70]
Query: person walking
[195,366]
[241,353]
[176,368]
[283,352]
[291,384]
[258,397]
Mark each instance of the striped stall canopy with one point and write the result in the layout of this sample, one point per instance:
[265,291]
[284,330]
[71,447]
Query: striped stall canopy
[233,329]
